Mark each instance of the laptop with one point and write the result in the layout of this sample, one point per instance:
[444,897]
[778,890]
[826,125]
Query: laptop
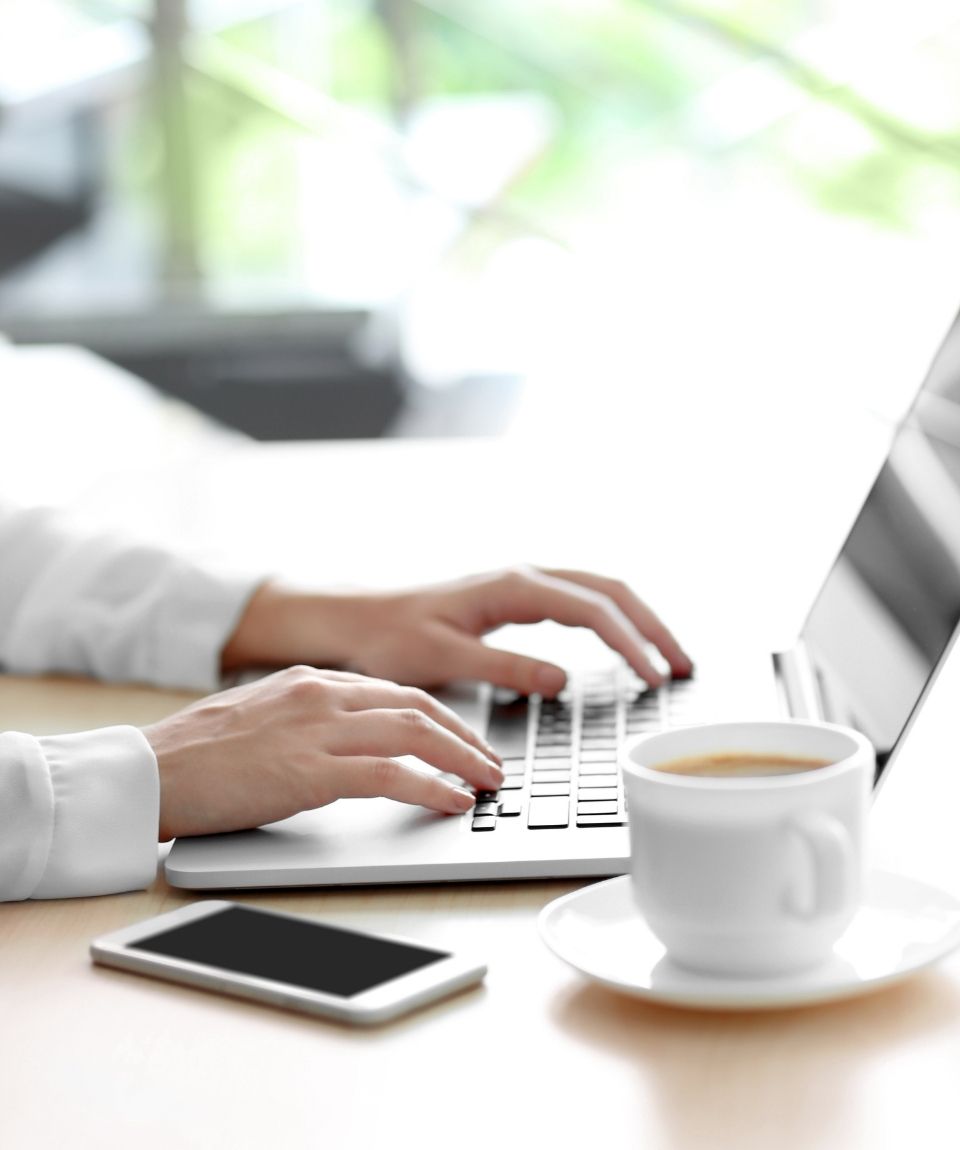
[878,632]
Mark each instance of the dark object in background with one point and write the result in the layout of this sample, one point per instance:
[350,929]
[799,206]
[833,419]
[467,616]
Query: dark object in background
[30,222]
[275,392]
[283,375]
[274,376]
[34,216]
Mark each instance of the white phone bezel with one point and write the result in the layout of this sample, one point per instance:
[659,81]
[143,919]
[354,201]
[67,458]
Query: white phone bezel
[380,1003]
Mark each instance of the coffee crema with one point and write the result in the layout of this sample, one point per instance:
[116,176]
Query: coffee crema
[740,765]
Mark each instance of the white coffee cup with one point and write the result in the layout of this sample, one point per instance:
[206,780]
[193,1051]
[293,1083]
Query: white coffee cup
[748,874]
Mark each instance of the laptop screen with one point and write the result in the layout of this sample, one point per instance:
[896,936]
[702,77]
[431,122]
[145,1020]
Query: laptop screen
[889,607]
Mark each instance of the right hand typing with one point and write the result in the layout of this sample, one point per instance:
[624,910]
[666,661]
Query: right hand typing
[302,738]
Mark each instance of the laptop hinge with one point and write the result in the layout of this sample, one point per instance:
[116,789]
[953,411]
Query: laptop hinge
[798,682]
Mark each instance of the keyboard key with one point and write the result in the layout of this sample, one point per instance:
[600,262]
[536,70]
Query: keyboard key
[591,756]
[511,807]
[553,763]
[607,767]
[601,820]
[604,730]
[591,781]
[512,783]
[546,790]
[643,708]
[683,686]
[596,808]
[640,726]
[484,823]
[594,743]
[552,749]
[550,776]
[548,812]
[507,729]
[514,766]
[598,794]
[481,809]
[646,701]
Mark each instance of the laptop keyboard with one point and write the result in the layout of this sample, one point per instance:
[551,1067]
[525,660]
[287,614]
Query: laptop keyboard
[560,755]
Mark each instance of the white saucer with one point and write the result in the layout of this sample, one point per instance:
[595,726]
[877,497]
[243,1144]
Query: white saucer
[902,926]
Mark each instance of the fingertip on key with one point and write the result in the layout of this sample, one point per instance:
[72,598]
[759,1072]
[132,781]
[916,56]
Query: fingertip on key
[461,800]
[496,775]
[549,681]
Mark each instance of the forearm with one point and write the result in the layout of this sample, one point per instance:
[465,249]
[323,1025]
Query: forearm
[283,626]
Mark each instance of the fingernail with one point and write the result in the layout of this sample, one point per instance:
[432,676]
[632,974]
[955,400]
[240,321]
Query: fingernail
[492,754]
[460,799]
[548,681]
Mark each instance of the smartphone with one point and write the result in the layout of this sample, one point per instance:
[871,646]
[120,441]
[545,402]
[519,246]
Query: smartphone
[288,960]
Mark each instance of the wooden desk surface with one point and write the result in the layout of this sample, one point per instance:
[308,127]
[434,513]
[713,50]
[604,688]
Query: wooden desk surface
[92,1057]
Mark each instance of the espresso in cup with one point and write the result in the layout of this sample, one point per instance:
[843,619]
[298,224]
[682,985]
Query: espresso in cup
[747,840]
[741,764]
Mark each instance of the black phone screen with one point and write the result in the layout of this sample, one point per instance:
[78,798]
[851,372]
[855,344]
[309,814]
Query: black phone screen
[307,954]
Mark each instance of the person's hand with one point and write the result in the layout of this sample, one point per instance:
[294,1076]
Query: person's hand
[432,635]
[302,738]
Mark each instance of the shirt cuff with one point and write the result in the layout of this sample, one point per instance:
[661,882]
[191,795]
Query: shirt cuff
[199,612]
[106,813]
[26,815]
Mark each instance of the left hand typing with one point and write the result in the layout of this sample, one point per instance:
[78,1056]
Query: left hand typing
[431,635]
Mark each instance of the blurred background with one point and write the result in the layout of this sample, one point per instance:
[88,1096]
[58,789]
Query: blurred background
[364,218]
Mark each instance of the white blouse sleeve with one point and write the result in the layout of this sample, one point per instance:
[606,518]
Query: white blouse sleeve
[101,605]
[79,813]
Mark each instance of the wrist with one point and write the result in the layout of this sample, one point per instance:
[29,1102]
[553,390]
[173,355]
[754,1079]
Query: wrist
[283,626]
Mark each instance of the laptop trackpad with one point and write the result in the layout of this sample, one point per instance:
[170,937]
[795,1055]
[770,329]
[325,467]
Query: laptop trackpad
[349,832]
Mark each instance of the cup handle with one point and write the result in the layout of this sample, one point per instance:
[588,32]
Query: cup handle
[834,865]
